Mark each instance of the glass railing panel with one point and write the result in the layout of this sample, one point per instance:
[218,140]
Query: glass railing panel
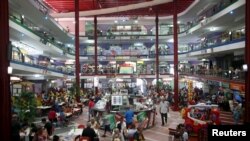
[50,68]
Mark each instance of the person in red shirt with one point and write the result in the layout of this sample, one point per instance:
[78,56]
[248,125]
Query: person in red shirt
[91,106]
[52,116]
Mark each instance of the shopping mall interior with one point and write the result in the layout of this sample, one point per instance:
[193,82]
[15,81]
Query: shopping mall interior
[122,70]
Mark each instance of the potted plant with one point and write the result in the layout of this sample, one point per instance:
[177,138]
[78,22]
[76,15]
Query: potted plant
[75,92]
[25,105]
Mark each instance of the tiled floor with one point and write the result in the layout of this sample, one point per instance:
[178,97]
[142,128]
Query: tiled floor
[156,133]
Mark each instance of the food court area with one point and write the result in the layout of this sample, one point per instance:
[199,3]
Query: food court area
[137,70]
[127,108]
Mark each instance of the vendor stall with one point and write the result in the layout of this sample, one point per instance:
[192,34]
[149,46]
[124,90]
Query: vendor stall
[142,107]
[200,115]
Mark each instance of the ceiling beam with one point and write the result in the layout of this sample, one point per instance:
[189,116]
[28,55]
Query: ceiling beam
[112,10]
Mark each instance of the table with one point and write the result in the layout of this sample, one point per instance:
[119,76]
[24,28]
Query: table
[43,109]
[72,134]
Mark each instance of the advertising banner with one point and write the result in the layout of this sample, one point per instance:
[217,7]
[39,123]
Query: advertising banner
[141,116]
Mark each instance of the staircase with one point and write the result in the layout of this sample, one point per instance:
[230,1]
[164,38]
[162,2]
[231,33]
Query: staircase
[227,118]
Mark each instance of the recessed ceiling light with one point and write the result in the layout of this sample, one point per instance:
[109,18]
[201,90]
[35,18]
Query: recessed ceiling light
[15,78]
[116,21]
[231,12]
[212,28]
[244,66]
[37,75]
[171,40]
[179,22]
[10,70]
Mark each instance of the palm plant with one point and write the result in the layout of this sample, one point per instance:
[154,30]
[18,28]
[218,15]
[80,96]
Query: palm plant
[26,105]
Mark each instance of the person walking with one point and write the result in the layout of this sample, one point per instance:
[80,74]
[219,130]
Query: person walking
[236,113]
[129,115]
[164,108]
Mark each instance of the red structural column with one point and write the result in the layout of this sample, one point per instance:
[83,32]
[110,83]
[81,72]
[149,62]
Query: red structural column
[95,42]
[176,107]
[157,50]
[247,61]
[5,100]
[77,64]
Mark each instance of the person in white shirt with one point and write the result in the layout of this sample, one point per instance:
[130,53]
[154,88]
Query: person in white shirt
[121,124]
[164,108]
[185,136]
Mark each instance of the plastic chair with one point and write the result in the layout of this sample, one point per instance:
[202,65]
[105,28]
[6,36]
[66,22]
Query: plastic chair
[81,126]
[81,138]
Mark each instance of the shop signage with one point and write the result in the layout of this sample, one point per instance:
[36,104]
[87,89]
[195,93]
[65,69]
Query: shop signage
[224,85]
[111,76]
[239,87]
[116,100]
[215,83]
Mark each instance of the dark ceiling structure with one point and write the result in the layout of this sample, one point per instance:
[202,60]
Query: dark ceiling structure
[65,6]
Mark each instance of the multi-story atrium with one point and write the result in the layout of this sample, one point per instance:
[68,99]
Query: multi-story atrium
[138,69]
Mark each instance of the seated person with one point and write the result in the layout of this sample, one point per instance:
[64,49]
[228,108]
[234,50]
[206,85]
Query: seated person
[32,131]
[41,135]
[62,118]
[52,116]
[117,136]
[56,138]
[95,126]
[131,131]
[89,132]
[48,126]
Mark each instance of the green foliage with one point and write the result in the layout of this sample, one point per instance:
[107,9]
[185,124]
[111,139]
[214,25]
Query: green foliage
[26,105]
[74,90]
